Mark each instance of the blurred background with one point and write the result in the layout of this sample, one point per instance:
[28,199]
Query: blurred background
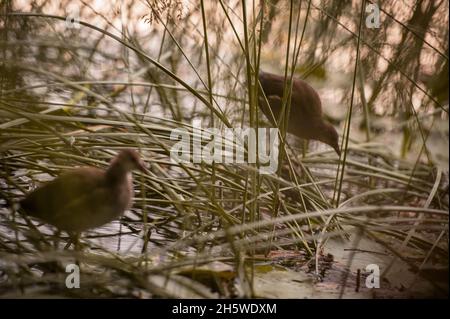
[80,80]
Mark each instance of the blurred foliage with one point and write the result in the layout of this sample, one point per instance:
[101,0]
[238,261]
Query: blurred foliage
[80,80]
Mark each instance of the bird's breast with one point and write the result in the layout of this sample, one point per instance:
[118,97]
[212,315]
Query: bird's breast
[124,192]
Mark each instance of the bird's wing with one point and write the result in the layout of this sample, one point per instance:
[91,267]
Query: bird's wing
[85,211]
[306,97]
[275,106]
[49,198]
[272,84]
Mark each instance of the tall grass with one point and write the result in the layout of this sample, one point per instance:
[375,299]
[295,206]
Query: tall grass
[75,96]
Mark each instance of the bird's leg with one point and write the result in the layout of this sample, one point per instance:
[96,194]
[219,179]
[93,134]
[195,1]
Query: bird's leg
[73,239]
[76,241]
[77,247]
[69,242]
[305,147]
[56,236]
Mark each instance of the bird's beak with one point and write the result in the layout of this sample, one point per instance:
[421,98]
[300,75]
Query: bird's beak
[142,167]
[338,151]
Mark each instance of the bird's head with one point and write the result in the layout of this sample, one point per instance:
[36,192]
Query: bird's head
[130,160]
[330,136]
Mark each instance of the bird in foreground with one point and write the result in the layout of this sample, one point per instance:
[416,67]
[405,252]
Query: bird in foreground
[305,117]
[87,197]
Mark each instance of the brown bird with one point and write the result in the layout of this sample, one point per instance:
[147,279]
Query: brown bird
[87,197]
[305,117]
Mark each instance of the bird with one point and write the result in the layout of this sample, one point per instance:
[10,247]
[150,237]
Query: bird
[305,117]
[87,197]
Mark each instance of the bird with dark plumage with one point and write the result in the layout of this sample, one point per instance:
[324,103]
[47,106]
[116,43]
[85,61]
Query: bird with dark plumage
[305,117]
[87,197]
